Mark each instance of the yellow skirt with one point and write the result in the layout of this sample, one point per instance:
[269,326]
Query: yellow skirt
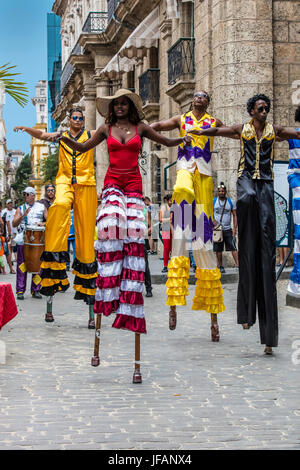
[192,219]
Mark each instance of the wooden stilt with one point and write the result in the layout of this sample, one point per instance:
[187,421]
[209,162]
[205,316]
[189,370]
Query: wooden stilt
[91,324]
[137,376]
[96,359]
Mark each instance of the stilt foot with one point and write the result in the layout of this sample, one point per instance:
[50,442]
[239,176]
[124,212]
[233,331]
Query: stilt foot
[95,362]
[49,318]
[268,351]
[137,377]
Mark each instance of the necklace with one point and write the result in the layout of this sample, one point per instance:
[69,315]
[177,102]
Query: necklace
[123,128]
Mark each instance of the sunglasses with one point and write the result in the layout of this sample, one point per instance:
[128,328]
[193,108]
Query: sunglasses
[27,194]
[50,190]
[263,108]
[201,95]
[77,118]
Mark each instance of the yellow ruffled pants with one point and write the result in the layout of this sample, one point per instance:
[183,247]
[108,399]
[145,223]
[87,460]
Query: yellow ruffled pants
[197,189]
[83,199]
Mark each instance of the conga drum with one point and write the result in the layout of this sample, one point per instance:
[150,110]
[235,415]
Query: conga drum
[34,244]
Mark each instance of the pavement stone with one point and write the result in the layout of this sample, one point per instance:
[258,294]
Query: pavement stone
[195,395]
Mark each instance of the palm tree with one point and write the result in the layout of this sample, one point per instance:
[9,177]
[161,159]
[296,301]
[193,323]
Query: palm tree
[17,90]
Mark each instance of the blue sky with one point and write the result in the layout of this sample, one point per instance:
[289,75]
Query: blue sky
[23,42]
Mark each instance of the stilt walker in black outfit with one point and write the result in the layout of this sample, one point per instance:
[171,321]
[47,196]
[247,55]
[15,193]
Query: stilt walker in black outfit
[256,217]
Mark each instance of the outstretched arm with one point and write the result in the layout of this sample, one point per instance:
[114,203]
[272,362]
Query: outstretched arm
[285,133]
[169,125]
[96,138]
[150,133]
[232,132]
[37,133]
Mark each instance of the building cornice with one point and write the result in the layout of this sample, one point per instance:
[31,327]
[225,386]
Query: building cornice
[59,7]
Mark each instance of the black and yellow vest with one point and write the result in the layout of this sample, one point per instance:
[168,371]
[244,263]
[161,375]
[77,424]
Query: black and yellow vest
[75,167]
[257,155]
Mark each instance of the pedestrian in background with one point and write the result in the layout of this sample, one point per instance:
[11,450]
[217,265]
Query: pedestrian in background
[2,242]
[224,208]
[49,195]
[152,236]
[165,220]
[31,213]
[9,232]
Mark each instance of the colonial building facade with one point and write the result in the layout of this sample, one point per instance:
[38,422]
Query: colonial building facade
[167,49]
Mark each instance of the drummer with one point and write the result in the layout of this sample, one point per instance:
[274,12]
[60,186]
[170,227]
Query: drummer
[31,213]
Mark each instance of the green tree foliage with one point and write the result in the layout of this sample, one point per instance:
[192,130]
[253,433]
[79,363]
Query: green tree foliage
[49,166]
[17,90]
[23,174]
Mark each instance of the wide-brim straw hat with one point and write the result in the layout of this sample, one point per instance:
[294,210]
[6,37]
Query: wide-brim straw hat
[102,103]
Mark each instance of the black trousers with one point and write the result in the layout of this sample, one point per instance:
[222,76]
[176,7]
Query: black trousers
[257,257]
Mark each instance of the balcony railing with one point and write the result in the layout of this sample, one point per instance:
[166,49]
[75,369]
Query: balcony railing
[181,60]
[96,22]
[112,5]
[66,75]
[149,86]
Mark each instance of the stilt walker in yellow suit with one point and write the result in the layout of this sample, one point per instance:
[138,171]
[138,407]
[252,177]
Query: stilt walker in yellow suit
[192,219]
[75,188]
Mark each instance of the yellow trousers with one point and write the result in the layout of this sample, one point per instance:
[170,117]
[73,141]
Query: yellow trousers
[192,220]
[83,200]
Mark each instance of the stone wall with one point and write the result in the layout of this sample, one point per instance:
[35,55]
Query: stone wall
[241,48]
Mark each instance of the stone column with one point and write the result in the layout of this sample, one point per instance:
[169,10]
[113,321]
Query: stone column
[242,66]
[102,158]
[168,107]
[89,98]
[286,27]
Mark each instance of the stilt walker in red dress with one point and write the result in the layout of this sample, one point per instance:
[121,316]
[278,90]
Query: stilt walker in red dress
[120,245]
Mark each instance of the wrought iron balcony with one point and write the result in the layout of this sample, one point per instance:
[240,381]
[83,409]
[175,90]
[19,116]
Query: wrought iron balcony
[96,22]
[149,86]
[181,60]
[112,5]
[66,76]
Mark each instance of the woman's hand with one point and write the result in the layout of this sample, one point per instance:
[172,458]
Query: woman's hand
[55,137]
[187,140]
[19,128]
[195,132]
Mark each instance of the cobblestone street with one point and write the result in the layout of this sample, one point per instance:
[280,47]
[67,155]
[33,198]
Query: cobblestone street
[195,394]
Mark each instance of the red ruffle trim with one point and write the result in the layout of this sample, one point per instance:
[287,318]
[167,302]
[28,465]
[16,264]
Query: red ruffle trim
[131,297]
[106,308]
[112,203]
[133,217]
[131,275]
[134,249]
[134,205]
[109,190]
[110,256]
[134,194]
[108,282]
[128,322]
